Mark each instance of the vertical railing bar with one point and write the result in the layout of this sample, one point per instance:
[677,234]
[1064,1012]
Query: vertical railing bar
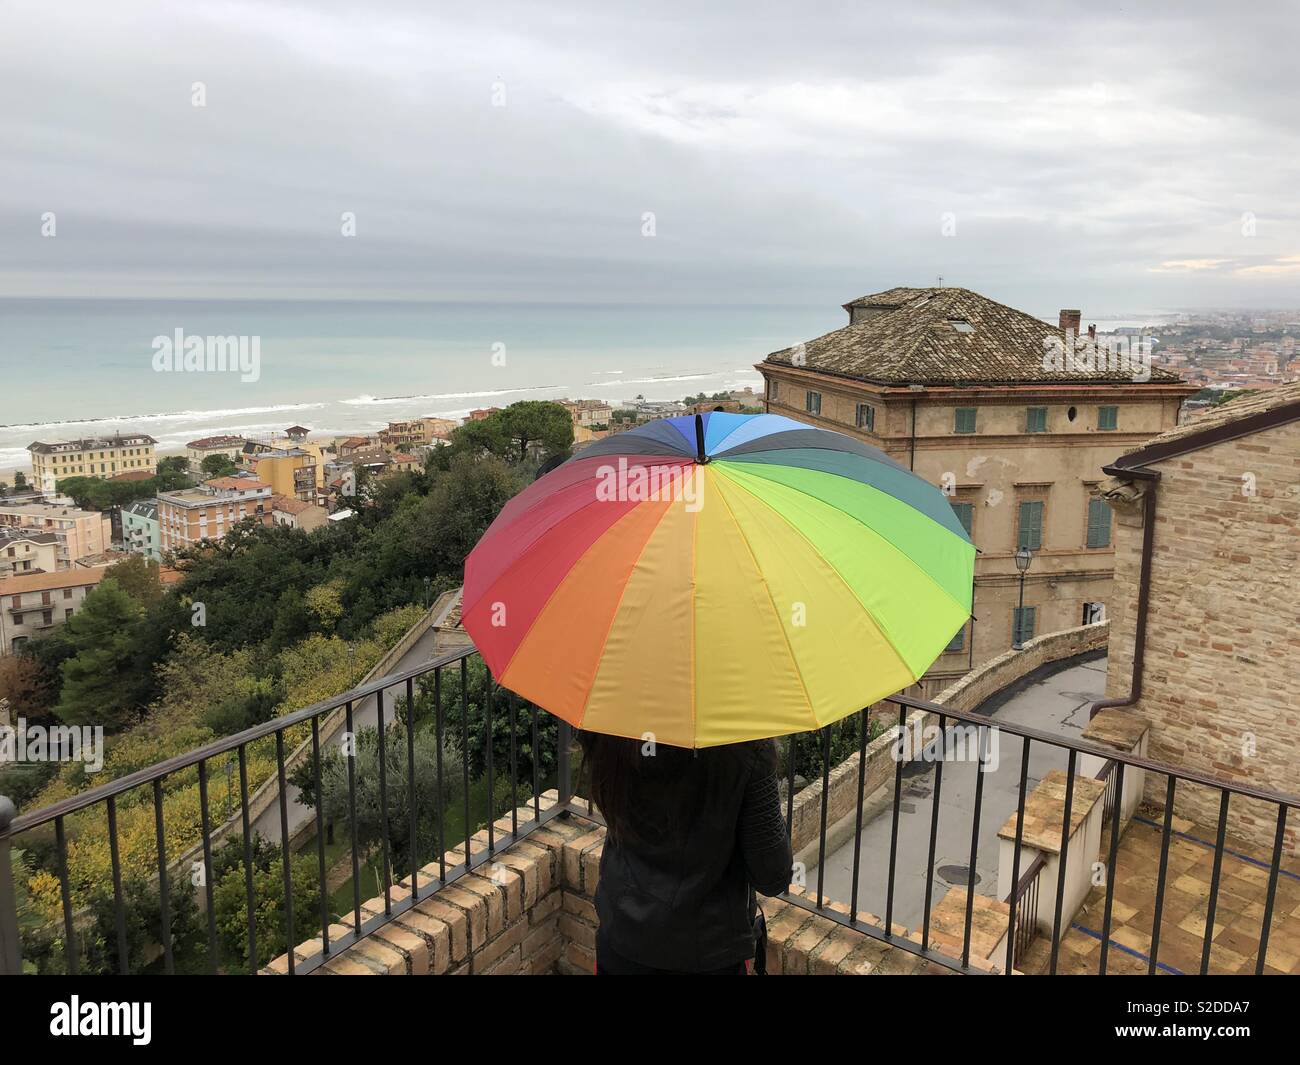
[284,851]
[1214,881]
[208,887]
[119,907]
[789,791]
[1012,932]
[982,736]
[320,839]
[350,752]
[250,902]
[1064,859]
[1116,824]
[1274,870]
[1160,879]
[464,723]
[437,739]
[491,779]
[537,796]
[383,802]
[164,890]
[65,891]
[410,786]
[857,824]
[514,768]
[893,833]
[826,802]
[934,829]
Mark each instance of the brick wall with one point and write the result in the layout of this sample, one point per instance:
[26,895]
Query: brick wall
[1223,628]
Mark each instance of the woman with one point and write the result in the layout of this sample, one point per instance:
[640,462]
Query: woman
[692,835]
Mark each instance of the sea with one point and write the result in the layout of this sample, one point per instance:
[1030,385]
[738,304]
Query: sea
[80,367]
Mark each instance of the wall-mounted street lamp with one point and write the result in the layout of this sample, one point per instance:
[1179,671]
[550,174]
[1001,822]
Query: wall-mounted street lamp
[1024,559]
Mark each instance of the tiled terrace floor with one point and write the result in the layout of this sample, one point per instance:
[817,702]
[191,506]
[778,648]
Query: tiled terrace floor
[1243,888]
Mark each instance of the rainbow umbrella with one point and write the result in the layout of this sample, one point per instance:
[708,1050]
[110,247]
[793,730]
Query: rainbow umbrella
[717,578]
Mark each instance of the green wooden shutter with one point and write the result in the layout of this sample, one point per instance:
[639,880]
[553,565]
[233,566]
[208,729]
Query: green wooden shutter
[1023,624]
[1031,525]
[965,514]
[1036,420]
[964,420]
[1107,417]
[1098,523]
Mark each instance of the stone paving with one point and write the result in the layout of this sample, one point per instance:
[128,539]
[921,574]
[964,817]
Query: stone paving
[1243,888]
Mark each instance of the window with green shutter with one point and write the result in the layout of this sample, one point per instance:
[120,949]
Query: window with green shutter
[964,420]
[1107,417]
[773,387]
[1098,523]
[1031,525]
[813,403]
[1036,420]
[866,417]
[958,643]
[965,514]
[1022,624]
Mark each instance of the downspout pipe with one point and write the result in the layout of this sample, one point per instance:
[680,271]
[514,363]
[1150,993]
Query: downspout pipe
[1144,584]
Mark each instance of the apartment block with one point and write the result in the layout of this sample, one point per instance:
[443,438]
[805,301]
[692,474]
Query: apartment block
[101,456]
[31,604]
[141,533]
[82,532]
[211,510]
[28,552]
[197,450]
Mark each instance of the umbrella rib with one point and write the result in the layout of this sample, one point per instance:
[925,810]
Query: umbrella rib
[785,636]
[874,532]
[884,633]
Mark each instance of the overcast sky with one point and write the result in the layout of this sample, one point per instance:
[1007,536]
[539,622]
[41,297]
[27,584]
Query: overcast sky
[1114,157]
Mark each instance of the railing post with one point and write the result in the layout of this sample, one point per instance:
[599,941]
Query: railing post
[10,949]
[564,783]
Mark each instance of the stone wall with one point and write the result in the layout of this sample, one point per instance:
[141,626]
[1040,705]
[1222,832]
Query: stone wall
[1223,627]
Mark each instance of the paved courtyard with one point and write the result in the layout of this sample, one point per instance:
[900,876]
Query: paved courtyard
[1238,917]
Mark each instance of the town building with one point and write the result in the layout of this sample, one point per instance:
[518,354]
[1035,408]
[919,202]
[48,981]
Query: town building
[98,456]
[32,604]
[1204,612]
[482,413]
[81,532]
[292,472]
[353,444]
[419,432]
[141,533]
[1012,417]
[197,450]
[28,552]
[208,512]
[297,513]
[588,413]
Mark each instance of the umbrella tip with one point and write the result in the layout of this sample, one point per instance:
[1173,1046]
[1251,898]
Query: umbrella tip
[700,456]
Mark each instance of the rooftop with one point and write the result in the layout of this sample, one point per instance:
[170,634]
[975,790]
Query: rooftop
[216,442]
[944,336]
[89,442]
[78,577]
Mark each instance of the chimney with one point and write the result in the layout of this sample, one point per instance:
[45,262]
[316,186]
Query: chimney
[1070,321]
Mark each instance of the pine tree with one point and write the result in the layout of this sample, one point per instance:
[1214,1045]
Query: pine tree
[101,683]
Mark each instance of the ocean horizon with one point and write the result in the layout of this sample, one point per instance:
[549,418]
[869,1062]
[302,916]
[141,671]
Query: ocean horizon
[77,367]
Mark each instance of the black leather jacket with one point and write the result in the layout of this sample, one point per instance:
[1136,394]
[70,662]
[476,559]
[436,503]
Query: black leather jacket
[706,832]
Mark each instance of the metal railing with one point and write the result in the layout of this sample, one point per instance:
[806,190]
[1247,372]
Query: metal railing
[1017,935]
[148,785]
[524,722]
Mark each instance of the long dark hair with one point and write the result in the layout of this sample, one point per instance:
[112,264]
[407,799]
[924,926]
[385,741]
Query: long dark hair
[615,770]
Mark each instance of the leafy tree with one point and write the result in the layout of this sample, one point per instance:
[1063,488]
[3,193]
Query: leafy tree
[373,816]
[20,481]
[139,578]
[100,682]
[230,902]
[27,685]
[217,466]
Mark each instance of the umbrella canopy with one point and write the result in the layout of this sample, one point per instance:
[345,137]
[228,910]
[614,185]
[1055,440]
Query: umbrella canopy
[718,578]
